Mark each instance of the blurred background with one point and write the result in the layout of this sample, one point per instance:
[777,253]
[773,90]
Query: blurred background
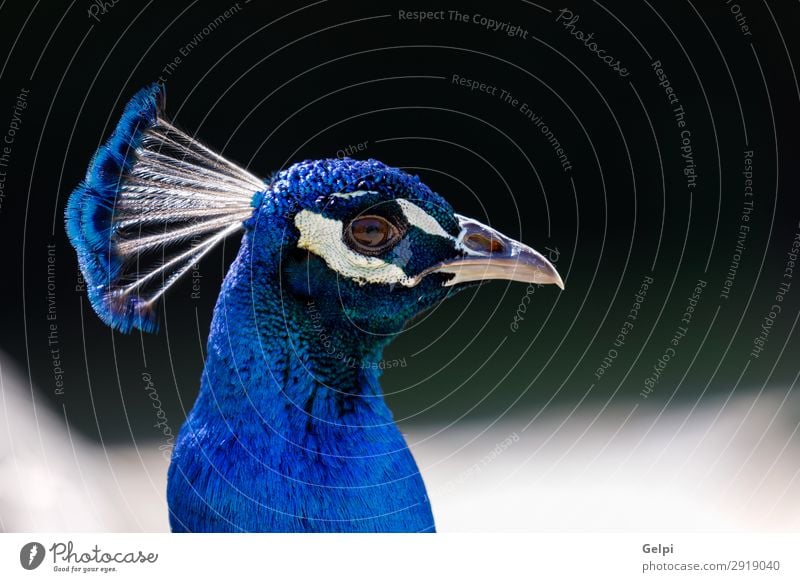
[649,149]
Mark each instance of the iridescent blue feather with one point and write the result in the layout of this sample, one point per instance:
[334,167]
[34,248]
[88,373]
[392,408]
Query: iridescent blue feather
[90,210]
[153,202]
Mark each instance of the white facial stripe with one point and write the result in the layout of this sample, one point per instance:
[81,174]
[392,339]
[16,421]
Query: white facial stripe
[355,194]
[413,213]
[323,237]
[416,216]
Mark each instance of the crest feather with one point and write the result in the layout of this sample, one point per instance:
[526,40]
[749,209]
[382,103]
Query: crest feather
[153,203]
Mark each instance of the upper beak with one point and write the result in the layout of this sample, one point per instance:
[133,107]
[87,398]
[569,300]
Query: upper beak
[489,254]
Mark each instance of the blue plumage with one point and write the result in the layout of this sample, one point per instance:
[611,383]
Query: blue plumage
[299,439]
[90,210]
[290,431]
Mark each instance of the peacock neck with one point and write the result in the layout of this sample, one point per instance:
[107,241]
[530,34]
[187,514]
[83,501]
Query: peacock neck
[283,359]
[290,431]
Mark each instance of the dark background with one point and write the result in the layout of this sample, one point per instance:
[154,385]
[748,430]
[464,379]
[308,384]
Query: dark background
[276,83]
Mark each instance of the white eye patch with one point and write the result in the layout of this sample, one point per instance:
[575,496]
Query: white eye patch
[413,213]
[323,237]
[416,216]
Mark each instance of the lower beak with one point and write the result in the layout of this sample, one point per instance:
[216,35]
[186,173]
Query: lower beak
[489,254]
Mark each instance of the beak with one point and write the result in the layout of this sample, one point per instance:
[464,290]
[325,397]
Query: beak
[489,254]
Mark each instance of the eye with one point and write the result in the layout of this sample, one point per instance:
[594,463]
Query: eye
[371,234]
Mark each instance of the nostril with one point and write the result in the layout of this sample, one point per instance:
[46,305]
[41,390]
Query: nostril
[483,243]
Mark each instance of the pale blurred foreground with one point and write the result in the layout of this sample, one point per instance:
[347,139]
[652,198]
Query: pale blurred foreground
[722,467]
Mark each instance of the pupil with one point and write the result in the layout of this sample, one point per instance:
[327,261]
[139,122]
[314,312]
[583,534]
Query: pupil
[369,231]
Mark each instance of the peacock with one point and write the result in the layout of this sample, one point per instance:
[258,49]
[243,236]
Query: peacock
[289,431]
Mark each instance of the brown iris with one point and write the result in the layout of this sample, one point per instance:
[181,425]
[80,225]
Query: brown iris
[372,234]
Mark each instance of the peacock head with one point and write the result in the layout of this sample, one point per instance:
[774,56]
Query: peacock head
[372,245]
[366,242]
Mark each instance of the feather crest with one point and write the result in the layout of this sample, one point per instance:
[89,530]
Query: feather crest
[153,203]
